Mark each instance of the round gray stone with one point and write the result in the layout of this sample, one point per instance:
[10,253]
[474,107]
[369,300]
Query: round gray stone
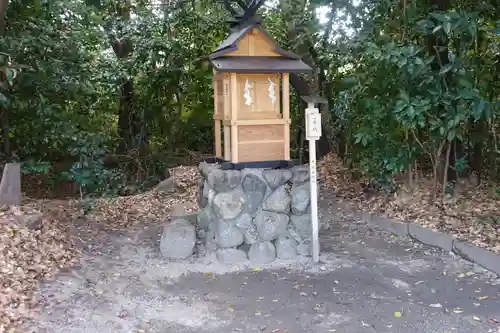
[224,180]
[286,248]
[206,169]
[210,242]
[301,197]
[305,247]
[277,177]
[300,174]
[255,191]
[262,253]
[243,221]
[251,235]
[228,235]
[231,255]
[278,201]
[204,217]
[228,205]
[303,224]
[293,232]
[271,225]
[178,239]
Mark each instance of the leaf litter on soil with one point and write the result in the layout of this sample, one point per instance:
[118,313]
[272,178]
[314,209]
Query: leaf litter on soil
[472,213]
[38,238]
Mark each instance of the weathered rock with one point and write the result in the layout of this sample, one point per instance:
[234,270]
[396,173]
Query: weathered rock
[255,191]
[231,255]
[224,180]
[227,234]
[293,232]
[271,225]
[303,224]
[262,252]
[243,221]
[210,242]
[166,185]
[301,197]
[277,177]
[278,201]
[286,248]
[178,239]
[205,217]
[305,247]
[228,205]
[201,234]
[206,169]
[200,198]
[300,174]
[250,234]
[207,192]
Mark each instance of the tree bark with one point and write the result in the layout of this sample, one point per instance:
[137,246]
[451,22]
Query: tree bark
[439,48]
[130,125]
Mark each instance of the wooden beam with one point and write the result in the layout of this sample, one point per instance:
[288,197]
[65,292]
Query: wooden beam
[286,113]
[256,122]
[234,116]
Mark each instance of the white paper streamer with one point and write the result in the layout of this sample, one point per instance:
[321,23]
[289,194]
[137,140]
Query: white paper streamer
[246,93]
[270,88]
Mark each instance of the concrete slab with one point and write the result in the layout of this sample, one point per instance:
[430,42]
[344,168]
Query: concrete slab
[431,237]
[482,257]
[395,227]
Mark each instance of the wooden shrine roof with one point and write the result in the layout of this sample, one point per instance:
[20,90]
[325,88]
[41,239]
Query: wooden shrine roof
[286,62]
[246,64]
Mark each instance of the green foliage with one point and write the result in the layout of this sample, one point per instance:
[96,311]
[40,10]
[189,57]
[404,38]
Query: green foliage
[404,84]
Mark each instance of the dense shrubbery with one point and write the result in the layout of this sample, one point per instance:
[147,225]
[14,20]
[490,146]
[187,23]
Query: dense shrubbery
[111,85]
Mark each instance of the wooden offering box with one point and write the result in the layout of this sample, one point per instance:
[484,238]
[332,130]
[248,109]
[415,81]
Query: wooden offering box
[252,96]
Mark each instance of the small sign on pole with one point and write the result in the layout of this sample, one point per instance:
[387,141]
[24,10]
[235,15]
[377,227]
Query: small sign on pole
[313,133]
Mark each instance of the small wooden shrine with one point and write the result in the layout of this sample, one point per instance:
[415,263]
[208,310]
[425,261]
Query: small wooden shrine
[251,77]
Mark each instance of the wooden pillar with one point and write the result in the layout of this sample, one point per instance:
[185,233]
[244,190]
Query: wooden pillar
[234,117]
[227,115]
[218,138]
[286,114]
[217,115]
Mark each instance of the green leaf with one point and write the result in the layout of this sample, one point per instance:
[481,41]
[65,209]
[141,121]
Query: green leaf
[445,69]
[478,109]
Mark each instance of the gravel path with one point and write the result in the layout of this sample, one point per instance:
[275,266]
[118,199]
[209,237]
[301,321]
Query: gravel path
[367,281]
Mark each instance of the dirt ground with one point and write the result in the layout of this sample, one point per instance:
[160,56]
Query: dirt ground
[367,281]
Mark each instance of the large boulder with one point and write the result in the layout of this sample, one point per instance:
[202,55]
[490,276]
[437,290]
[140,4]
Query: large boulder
[262,253]
[271,225]
[178,239]
[255,191]
[227,234]
[228,205]
[231,255]
[277,177]
[278,201]
[301,197]
[286,248]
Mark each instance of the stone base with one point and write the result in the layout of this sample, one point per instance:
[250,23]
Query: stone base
[259,214]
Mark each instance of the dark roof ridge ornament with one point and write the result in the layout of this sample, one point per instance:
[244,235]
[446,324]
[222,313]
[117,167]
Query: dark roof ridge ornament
[244,14]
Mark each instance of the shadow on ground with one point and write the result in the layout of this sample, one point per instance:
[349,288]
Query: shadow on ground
[367,281]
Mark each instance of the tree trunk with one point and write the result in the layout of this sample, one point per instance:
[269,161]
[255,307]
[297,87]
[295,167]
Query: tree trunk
[131,127]
[439,48]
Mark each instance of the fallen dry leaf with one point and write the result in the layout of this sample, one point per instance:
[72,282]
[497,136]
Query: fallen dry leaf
[452,214]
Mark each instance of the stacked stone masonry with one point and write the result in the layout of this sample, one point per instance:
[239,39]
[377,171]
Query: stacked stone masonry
[259,214]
